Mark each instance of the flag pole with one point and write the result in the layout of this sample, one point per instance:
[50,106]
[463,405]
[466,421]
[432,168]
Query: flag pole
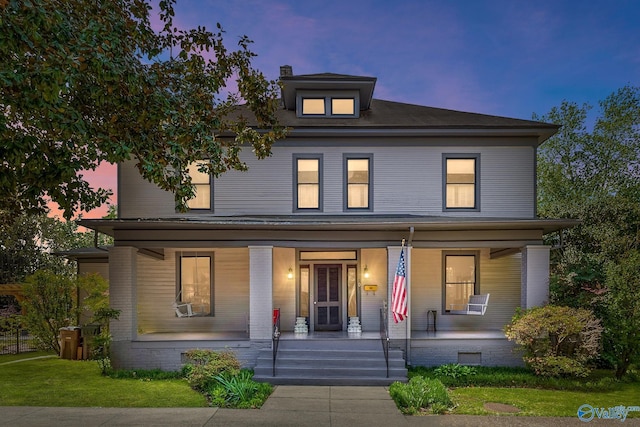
[406,323]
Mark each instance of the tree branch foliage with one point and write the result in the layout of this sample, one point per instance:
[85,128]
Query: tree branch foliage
[594,176]
[86,82]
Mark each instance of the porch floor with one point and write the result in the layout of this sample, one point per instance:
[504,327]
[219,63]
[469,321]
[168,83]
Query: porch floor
[313,336]
[194,336]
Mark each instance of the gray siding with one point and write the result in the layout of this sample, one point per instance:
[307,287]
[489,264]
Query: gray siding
[499,277]
[407,179]
[157,292]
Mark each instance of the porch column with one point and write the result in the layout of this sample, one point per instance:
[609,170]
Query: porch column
[534,276]
[400,330]
[123,271]
[260,292]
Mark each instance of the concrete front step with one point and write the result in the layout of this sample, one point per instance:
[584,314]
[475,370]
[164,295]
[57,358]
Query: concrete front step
[330,362]
[331,381]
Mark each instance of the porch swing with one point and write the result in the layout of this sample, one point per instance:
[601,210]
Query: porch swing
[476,306]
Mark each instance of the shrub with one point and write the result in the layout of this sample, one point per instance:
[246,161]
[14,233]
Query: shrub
[205,365]
[557,341]
[238,391]
[421,394]
[454,370]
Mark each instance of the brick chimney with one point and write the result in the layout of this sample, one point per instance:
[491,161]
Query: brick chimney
[286,70]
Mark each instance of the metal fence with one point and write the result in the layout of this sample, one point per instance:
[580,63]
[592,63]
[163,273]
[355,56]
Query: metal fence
[15,341]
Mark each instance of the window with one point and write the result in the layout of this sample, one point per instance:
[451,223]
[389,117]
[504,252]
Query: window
[460,280]
[307,179]
[195,281]
[313,106]
[304,291]
[202,183]
[327,104]
[461,184]
[358,182]
[342,106]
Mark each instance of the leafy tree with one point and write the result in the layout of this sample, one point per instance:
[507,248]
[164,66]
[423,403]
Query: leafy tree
[594,176]
[28,243]
[622,305]
[50,304]
[85,82]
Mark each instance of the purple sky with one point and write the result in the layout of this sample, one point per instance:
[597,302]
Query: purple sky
[503,57]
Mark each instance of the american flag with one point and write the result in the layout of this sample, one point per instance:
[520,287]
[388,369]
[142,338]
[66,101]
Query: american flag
[399,295]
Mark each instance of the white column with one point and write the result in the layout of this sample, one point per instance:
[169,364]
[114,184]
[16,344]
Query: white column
[534,276]
[260,292]
[123,272]
[400,330]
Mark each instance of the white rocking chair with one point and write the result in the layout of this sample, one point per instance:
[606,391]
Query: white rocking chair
[477,306]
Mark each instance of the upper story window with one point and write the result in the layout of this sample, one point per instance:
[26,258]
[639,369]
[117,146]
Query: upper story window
[202,184]
[461,182]
[307,181]
[358,189]
[343,103]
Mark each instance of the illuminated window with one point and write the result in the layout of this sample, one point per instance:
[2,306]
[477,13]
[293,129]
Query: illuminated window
[461,189]
[358,182]
[343,106]
[195,282]
[459,280]
[313,106]
[202,184]
[308,178]
[333,103]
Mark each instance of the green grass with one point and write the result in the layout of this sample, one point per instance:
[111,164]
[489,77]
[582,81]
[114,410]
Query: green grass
[60,382]
[547,403]
[535,395]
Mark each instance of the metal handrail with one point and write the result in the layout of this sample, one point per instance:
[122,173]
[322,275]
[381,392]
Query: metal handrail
[275,337]
[384,336]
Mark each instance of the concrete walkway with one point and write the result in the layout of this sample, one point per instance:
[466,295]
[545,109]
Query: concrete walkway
[287,406]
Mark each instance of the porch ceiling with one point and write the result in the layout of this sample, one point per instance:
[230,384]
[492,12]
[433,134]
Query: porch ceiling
[327,223]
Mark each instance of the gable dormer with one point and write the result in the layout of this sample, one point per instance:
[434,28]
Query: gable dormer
[326,95]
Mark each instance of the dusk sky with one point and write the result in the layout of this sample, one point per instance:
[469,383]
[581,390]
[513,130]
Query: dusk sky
[501,57]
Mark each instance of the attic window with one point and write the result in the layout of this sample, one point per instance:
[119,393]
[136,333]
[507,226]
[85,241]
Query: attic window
[328,104]
[313,106]
[342,106]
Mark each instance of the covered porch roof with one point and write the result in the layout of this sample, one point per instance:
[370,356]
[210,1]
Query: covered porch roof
[328,223]
[502,235]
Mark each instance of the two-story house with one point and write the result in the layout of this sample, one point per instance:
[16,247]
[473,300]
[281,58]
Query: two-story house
[315,231]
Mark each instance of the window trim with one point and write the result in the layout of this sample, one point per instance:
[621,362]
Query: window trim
[210,208]
[476,285]
[211,255]
[310,156]
[345,183]
[461,156]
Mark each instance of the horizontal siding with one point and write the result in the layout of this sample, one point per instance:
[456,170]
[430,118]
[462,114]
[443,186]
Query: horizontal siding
[157,288]
[498,277]
[284,289]
[370,302]
[138,198]
[406,180]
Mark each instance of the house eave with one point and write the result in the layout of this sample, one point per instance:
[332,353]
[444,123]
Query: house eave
[328,223]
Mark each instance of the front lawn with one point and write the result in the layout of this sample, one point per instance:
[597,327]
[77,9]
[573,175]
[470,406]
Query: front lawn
[61,382]
[533,395]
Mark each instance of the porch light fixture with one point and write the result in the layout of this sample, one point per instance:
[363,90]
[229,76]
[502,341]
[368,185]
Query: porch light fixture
[290,274]
[366,272]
